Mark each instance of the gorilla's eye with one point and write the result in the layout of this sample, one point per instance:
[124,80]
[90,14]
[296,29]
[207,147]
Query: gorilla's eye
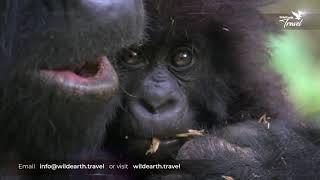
[182,58]
[132,58]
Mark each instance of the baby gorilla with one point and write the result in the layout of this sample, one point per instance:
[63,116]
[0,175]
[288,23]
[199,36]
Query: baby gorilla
[204,66]
[58,86]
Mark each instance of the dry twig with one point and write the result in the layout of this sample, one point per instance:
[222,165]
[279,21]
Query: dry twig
[154,146]
[191,133]
[227,177]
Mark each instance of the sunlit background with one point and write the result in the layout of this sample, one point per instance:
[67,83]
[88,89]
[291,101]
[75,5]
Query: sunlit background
[296,55]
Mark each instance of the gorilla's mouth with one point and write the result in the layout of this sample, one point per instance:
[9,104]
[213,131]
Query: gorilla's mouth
[98,78]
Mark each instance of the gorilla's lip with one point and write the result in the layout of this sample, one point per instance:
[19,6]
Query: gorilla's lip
[90,79]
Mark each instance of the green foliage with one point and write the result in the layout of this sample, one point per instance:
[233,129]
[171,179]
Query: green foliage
[293,59]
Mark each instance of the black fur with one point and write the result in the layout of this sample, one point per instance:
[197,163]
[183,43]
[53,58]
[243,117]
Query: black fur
[226,92]
[39,121]
[228,89]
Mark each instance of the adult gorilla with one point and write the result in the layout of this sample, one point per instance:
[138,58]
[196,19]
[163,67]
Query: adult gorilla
[57,83]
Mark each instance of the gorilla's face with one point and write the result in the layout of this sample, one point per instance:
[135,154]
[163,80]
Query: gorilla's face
[157,78]
[163,94]
[59,89]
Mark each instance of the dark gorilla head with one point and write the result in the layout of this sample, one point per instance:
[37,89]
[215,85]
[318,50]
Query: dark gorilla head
[57,83]
[203,66]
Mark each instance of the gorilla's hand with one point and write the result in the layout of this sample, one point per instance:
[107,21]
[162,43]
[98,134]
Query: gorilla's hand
[239,151]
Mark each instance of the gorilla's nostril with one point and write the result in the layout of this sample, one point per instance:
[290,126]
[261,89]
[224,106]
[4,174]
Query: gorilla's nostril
[148,106]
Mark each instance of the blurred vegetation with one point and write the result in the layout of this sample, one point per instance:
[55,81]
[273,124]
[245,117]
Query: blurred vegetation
[292,57]
[296,55]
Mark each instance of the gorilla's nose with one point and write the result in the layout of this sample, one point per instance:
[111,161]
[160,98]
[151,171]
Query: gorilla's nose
[158,105]
[158,112]
[159,102]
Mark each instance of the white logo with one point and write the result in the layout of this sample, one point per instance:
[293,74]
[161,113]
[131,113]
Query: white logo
[295,20]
